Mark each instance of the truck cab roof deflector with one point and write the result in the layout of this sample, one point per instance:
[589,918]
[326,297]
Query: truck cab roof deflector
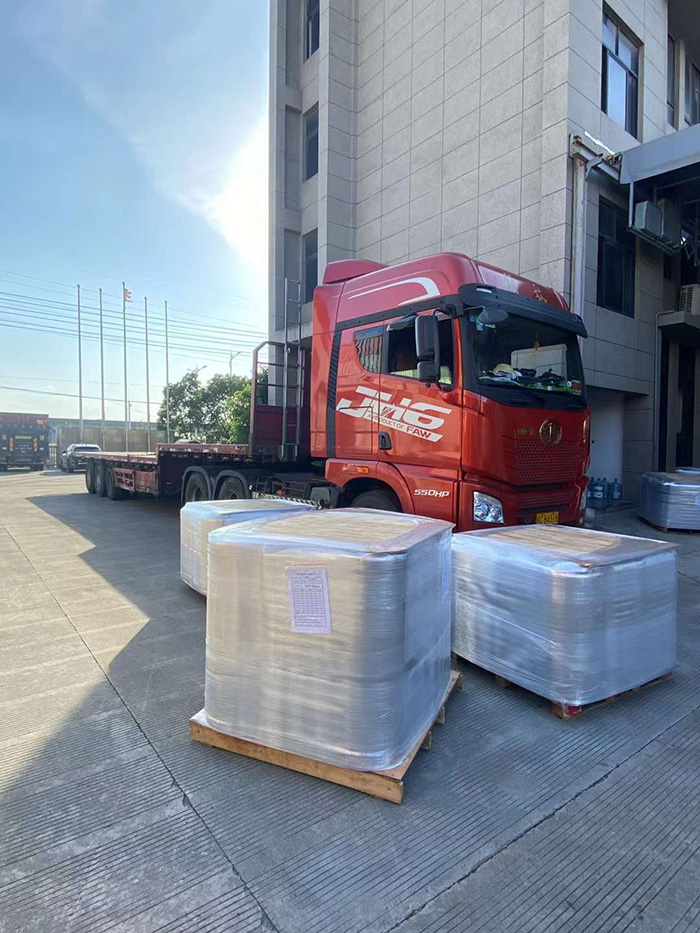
[487,296]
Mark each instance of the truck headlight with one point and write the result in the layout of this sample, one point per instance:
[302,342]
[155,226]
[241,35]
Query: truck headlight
[487,509]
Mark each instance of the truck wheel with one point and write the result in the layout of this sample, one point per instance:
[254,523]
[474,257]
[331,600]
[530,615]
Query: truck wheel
[377,499]
[112,491]
[196,489]
[231,488]
[90,477]
[100,479]
[69,466]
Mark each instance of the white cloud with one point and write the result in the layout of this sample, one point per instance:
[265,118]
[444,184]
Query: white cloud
[239,208]
[179,112]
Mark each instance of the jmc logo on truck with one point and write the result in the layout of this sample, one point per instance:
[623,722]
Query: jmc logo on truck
[407,416]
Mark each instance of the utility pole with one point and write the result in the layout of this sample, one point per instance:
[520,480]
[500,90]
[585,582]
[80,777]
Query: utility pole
[102,373]
[148,385]
[231,357]
[167,379]
[126,387]
[80,369]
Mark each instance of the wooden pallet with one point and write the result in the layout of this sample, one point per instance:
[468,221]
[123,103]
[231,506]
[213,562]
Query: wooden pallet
[387,785]
[569,710]
[678,531]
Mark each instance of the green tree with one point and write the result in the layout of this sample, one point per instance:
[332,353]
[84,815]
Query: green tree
[186,418]
[238,415]
[212,412]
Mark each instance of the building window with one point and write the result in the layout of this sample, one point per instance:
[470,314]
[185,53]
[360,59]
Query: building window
[620,75]
[617,250]
[311,143]
[310,248]
[692,94]
[313,24]
[671,81]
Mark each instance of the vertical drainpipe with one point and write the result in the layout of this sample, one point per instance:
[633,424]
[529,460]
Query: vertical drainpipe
[578,235]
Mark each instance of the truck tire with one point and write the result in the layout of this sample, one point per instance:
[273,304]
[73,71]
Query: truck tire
[196,488]
[231,488]
[90,476]
[69,466]
[100,479]
[377,499]
[112,491]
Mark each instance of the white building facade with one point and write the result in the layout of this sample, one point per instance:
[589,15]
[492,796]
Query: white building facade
[401,128]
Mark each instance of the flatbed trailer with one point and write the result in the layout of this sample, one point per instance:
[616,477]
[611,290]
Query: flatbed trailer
[191,471]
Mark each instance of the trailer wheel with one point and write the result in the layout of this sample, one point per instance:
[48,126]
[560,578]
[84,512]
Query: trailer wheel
[377,499]
[100,479]
[90,476]
[112,491]
[231,488]
[196,489]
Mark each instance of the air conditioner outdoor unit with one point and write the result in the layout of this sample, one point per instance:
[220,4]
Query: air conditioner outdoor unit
[690,299]
[648,219]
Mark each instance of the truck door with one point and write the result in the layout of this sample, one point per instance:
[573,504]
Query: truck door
[420,429]
[356,416]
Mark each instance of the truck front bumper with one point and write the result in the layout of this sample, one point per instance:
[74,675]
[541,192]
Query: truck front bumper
[564,505]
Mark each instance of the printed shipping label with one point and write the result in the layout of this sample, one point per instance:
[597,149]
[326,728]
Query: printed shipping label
[308,599]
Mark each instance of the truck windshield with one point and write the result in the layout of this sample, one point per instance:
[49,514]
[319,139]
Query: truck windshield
[528,356]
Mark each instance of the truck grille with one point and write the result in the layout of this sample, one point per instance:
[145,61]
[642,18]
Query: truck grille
[540,464]
[543,499]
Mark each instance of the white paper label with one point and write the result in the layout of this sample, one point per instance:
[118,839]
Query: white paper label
[308,599]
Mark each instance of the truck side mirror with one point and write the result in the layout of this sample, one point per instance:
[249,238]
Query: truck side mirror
[427,349]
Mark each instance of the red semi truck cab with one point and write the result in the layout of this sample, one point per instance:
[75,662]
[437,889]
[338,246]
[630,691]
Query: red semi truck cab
[449,388]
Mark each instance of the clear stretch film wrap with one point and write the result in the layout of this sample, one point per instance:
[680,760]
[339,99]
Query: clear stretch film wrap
[671,500]
[328,635]
[571,614]
[199,519]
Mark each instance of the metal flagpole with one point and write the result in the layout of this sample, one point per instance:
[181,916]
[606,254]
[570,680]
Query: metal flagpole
[148,384]
[80,370]
[126,388]
[167,379]
[102,373]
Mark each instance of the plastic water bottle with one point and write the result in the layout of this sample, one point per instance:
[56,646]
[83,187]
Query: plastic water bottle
[617,489]
[606,487]
[598,488]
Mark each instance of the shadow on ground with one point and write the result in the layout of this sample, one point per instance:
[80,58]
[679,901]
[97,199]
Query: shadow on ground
[113,820]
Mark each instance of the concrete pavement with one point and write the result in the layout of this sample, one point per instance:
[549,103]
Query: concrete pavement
[111,819]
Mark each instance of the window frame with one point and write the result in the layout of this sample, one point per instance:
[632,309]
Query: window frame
[631,124]
[626,243]
[671,80]
[307,295]
[691,71]
[312,27]
[310,137]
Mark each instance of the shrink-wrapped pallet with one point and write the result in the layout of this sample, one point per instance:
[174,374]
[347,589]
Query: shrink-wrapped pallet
[328,635]
[570,614]
[671,500]
[199,519]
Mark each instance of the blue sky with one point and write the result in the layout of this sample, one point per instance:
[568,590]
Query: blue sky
[133,146]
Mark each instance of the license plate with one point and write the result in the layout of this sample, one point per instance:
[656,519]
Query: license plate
[547,518]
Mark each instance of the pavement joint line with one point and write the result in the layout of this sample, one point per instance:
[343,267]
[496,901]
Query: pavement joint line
[175,783]
[544,819]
